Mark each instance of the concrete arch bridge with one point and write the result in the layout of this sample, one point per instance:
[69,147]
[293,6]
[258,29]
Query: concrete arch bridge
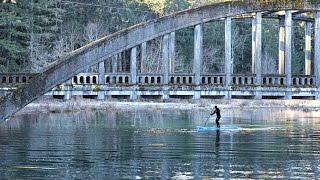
[65,76]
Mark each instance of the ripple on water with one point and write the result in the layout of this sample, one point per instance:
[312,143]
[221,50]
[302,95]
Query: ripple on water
[158,145]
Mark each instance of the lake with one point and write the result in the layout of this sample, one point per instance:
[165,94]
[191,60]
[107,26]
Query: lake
[161,144]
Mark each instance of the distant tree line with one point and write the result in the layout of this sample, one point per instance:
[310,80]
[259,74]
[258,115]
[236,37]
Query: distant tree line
[34,33]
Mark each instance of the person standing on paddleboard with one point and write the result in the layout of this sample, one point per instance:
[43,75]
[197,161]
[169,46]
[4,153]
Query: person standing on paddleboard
[217,111]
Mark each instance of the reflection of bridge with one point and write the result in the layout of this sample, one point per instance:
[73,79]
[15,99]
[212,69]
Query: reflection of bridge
[196,84]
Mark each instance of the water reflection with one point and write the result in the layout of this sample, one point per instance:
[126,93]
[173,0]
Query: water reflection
[217,138]
[160,144]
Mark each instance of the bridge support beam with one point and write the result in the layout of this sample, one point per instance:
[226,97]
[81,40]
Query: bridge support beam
[114,60]
[68,94]
[317,52]
[258,54]
[308,48]
[133,71]
[101,81]
[172,52]
[253,54]
[228,57]
[165,65]
[281,45]
[165,59]
[288,55]
[133,65]
[143,57]
[197,64]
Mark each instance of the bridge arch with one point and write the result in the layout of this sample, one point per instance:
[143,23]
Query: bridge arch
[106,47]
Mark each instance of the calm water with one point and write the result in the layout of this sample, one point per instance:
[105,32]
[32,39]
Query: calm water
[161,144]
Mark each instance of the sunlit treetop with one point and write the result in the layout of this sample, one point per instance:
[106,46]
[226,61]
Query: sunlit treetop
[9,1]
[163,6]
[156,5]
[261,3]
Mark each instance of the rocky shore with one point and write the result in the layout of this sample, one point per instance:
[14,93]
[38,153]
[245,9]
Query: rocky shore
[48,104]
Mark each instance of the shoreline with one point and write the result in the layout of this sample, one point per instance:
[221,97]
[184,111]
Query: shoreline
[48,104]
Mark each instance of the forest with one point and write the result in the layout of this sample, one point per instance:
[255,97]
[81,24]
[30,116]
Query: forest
[35,33]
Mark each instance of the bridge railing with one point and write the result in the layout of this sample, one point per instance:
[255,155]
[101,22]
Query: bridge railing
[179,79]
[155,79]
[244,79]
[16,78]
[274,80]
[182,79]
[213,79]
[85,78]
[117,78]
[304,80]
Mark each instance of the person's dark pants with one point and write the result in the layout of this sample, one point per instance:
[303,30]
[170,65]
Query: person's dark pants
[217,122]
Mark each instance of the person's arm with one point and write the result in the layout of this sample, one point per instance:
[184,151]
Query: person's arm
[213,112]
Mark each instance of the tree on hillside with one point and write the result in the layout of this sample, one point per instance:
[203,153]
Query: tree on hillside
[45,18]
[28,30]
[13,37]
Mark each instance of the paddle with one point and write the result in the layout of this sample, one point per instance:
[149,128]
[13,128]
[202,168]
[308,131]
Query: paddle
[207,120]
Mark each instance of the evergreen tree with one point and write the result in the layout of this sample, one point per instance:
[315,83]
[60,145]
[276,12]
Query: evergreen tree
[13,37]
[45,17]
[28,30]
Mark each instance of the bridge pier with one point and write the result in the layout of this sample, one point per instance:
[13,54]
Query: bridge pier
[68,94]
[165,65]
[258,52]
[165,59]
[281,45]
[143,57]
[288,53]
[253,41]
[317,52]
[172,52]
[114,63]
[101,80]
[308,49]
[165,93]
[133,71]
[228,57]
[197,64]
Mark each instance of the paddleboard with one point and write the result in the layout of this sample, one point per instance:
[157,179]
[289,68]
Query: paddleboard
[226,128]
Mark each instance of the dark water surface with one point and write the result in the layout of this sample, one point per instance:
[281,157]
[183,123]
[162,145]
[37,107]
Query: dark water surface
[161,144]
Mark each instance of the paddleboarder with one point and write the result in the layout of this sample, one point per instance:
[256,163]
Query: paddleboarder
[217,111]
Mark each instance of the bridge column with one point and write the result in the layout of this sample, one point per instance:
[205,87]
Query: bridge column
[281,45]
[102,71]
[317,51]
[258,54]
[114,60]
[197,64]
[172,52]
[165,66]
[288,55]
[253,54]
[143,57]
[307,69]
[228,57]
[133,71]
[68,94]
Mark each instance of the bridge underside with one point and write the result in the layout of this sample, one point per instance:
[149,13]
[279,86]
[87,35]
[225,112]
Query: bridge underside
[63,76]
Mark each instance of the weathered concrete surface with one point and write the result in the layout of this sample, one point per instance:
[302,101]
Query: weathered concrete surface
[228,54]
[317,49]
[95,52]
